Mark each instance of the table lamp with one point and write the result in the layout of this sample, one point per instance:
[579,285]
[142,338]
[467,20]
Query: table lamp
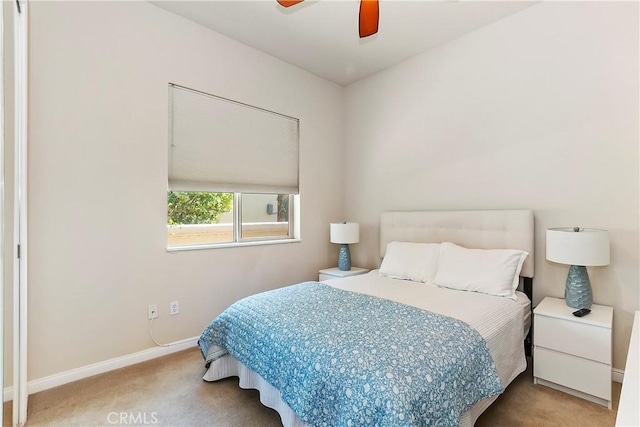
[345,233]
[579,248]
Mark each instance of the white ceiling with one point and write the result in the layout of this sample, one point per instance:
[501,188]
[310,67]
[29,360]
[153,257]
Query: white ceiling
[322,36]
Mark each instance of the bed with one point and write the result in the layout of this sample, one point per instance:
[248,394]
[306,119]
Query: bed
[328,368]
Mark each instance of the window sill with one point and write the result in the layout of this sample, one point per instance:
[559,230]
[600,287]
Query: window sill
[231,245]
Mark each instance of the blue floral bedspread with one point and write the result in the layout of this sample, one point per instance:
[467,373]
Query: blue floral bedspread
[342,358]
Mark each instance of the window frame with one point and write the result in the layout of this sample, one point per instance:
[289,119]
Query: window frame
[292,237]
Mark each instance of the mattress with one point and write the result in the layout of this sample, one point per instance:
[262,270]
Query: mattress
[502,322]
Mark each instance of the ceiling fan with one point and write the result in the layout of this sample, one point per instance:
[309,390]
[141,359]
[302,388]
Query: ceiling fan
[368,19]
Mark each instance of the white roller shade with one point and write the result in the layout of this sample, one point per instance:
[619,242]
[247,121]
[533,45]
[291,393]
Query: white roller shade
[220,145]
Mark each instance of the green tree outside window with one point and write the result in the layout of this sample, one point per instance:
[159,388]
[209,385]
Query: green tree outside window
[197,208]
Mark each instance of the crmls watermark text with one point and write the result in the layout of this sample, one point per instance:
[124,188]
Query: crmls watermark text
[132,418]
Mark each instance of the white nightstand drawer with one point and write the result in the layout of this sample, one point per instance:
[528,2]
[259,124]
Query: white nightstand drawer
[574,372]
[587,341]
[326,277]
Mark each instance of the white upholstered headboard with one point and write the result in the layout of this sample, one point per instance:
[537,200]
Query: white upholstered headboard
[491,229]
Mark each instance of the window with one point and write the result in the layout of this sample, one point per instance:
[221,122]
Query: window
[233,172]
[205,218]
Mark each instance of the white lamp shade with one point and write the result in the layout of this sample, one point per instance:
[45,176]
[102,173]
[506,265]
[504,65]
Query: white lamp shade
[587,247]
[345,232]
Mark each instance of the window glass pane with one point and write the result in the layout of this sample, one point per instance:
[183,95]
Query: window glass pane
[199,218]
[265,216]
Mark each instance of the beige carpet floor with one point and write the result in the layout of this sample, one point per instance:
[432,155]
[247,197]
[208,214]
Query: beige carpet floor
[169,391]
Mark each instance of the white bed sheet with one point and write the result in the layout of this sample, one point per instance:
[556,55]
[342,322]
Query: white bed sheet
[502,322]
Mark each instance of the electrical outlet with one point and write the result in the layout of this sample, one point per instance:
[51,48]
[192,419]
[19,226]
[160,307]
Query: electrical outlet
[153,311]
[174,308]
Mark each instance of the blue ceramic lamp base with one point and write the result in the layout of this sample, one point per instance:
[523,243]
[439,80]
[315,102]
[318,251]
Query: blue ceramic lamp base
[578,293]
[344,258]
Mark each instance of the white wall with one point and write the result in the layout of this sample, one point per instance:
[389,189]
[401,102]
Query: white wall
[538,111]
[98,177]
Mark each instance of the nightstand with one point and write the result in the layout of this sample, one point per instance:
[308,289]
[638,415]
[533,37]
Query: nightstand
[573,354]
[336,273]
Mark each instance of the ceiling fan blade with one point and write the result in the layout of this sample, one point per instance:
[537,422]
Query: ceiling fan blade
[368,17]
[288,3]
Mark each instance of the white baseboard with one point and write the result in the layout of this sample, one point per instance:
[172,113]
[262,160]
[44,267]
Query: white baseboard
[65,377]
[617,375]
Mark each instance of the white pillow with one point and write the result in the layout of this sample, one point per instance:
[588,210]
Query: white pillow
[488,271]
[411,261]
